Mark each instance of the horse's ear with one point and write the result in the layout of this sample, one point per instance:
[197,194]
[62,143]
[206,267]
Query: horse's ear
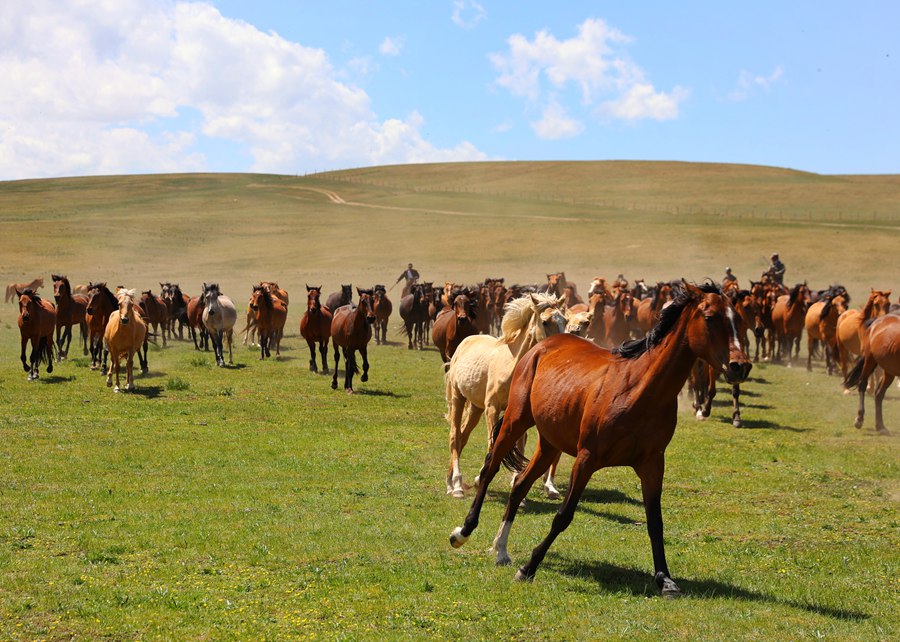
[308,289]
[18,294]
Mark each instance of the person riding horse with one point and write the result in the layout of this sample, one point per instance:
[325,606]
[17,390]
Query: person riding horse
[729,281]
[776,269]
[411,275]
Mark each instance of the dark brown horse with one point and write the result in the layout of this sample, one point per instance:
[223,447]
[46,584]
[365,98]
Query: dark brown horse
[454,324]
[37,321]
[315,327]
[157,313]
[70,310]
[270,314]
[351,330]
[414,312]
[607,408]
[383,309]
[337,299]
[101,303]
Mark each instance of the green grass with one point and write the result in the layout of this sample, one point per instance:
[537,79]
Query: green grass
[254,502]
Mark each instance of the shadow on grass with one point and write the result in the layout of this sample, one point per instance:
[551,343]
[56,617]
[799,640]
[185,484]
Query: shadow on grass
[540,505]
[763,424]
[56,379]
[148,392]
[610,577]
[375,392]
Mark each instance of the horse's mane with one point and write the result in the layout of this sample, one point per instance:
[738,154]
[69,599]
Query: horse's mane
[794,293]
[33,295]
[667,320]
[826,309]
[518,313]
[266,295]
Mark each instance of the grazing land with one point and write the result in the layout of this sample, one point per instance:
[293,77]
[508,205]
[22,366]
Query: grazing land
[253,502]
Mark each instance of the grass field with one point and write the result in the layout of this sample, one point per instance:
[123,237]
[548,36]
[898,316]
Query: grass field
[254,502]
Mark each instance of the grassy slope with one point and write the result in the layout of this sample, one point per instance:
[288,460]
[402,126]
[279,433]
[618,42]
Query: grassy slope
[256,503]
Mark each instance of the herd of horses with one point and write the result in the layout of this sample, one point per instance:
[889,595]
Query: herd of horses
[598,376]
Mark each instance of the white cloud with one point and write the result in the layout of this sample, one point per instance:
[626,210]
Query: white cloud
[139,86]
[467,13]
[555,123]
[390,46]
[593,65]
[749,83]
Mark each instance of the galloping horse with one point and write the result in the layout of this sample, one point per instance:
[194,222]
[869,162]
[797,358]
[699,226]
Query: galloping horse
[70,310]
[607,408]
[315,327]
[649,307]
[101,304]
[821,327]
[37,320]
[337,299]
[124,336]
[13,289]
[851,325]
[477,381]
[157,313]
[270,314]
[351,330]
[195,323]
[219,317]
[454,324]
[880,347]
[383,309]
[788,319]
[414,312]
[747,309]
[616,319]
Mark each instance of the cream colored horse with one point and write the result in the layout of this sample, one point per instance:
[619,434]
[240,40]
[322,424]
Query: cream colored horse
[478,378]
[124,336]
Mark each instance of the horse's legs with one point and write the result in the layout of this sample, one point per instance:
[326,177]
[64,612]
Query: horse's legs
[109,374]
[263,345]
[129,370]
[337,360]
[459,437]
[229,337]
[142,357]
[582,470]
[312,356]
[105,351]
[365,357]
[84,336]
[550,490]
[651,475]
[736,412]
[881,389]
[323,350]
[349,368]
[24,360]
[810,346]
[544,456]
[409,334]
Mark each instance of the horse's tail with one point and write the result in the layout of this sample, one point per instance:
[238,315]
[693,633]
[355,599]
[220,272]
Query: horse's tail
[854,377]
[515,459]
[815,352]
[46,355]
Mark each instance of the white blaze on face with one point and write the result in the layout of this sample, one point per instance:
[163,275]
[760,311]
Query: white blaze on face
[734,333]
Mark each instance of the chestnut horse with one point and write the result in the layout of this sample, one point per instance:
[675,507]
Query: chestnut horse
[383,309]
[70,310]
[125,335]
[788,319]
[617,318]
[315,327]
[157,313]
[880,347]
[607,408]
[37,321]
[454,324]
[850,325]
[351,330]
[270,315]
[101,304]
[195,323]
[13,289]
[821,327]
[649,308]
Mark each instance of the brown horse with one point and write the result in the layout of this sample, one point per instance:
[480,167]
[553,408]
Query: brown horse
[37,320]
[351,330]
[315,327]
[414,312]
[337,299]
[383,309]
[124,336]
[607,408]
[850,325]
[195,322]
[454,324]
[70,310]
[880,347]
[270,315]
[821,327]
[156,312]
[101,304]
[616,319]
[750,319]
[13,289]
[788,320]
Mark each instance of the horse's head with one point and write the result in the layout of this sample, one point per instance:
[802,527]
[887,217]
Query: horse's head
[549,318]
[579,322]
[713,332]
[29,301]
[312,297]
[95,291]
[347,292]
[367,303]
[258,296]
[60,286]
[126,305]
[210,297]
[463,308]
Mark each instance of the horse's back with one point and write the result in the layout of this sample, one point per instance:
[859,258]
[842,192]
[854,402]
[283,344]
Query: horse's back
[884,343]
[470,364]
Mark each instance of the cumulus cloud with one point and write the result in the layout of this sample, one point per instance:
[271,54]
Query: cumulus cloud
[593,66]
[467,13]
[390,46]
[748,84]
[140,85]
[555,123]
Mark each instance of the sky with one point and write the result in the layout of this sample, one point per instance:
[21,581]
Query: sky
[96,87]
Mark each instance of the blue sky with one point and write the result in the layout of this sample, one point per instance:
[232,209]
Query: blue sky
[140,86]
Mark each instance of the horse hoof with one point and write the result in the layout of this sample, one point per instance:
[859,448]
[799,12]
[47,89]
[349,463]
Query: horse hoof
[503,560]
[349,391]
[737,423]
[458,493]
[364,378]
[857,425]
[457,539]
[884,431]
[334,385]
[116,389]
[551,493]
[667,586]
[523,576]
[109,385]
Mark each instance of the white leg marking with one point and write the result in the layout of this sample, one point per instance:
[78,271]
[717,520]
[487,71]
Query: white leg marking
[500,541]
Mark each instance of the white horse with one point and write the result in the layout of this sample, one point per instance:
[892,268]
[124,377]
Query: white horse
[219,317]
[479,374]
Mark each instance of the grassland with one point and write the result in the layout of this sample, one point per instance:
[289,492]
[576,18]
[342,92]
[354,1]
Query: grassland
[255,503]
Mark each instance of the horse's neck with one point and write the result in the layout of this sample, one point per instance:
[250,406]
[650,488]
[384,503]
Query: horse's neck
[524,341]
[665,368]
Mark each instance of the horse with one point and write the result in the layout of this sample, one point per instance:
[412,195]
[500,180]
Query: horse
[414,312]
[477,381]
[788,319]
[157,313]
[125,334]
[250,330]
[270,314]
[315,327]
[850,325]
[101,304]
[337,299]
[37,321]
[577,323]
[351,330]
[607,408]
[383,309]
[219,317]
[880,347]
[176,303]
[821,327]
[70,310]
[195,323]
[13,289]
[648,308]
[454,324]
[616,319]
